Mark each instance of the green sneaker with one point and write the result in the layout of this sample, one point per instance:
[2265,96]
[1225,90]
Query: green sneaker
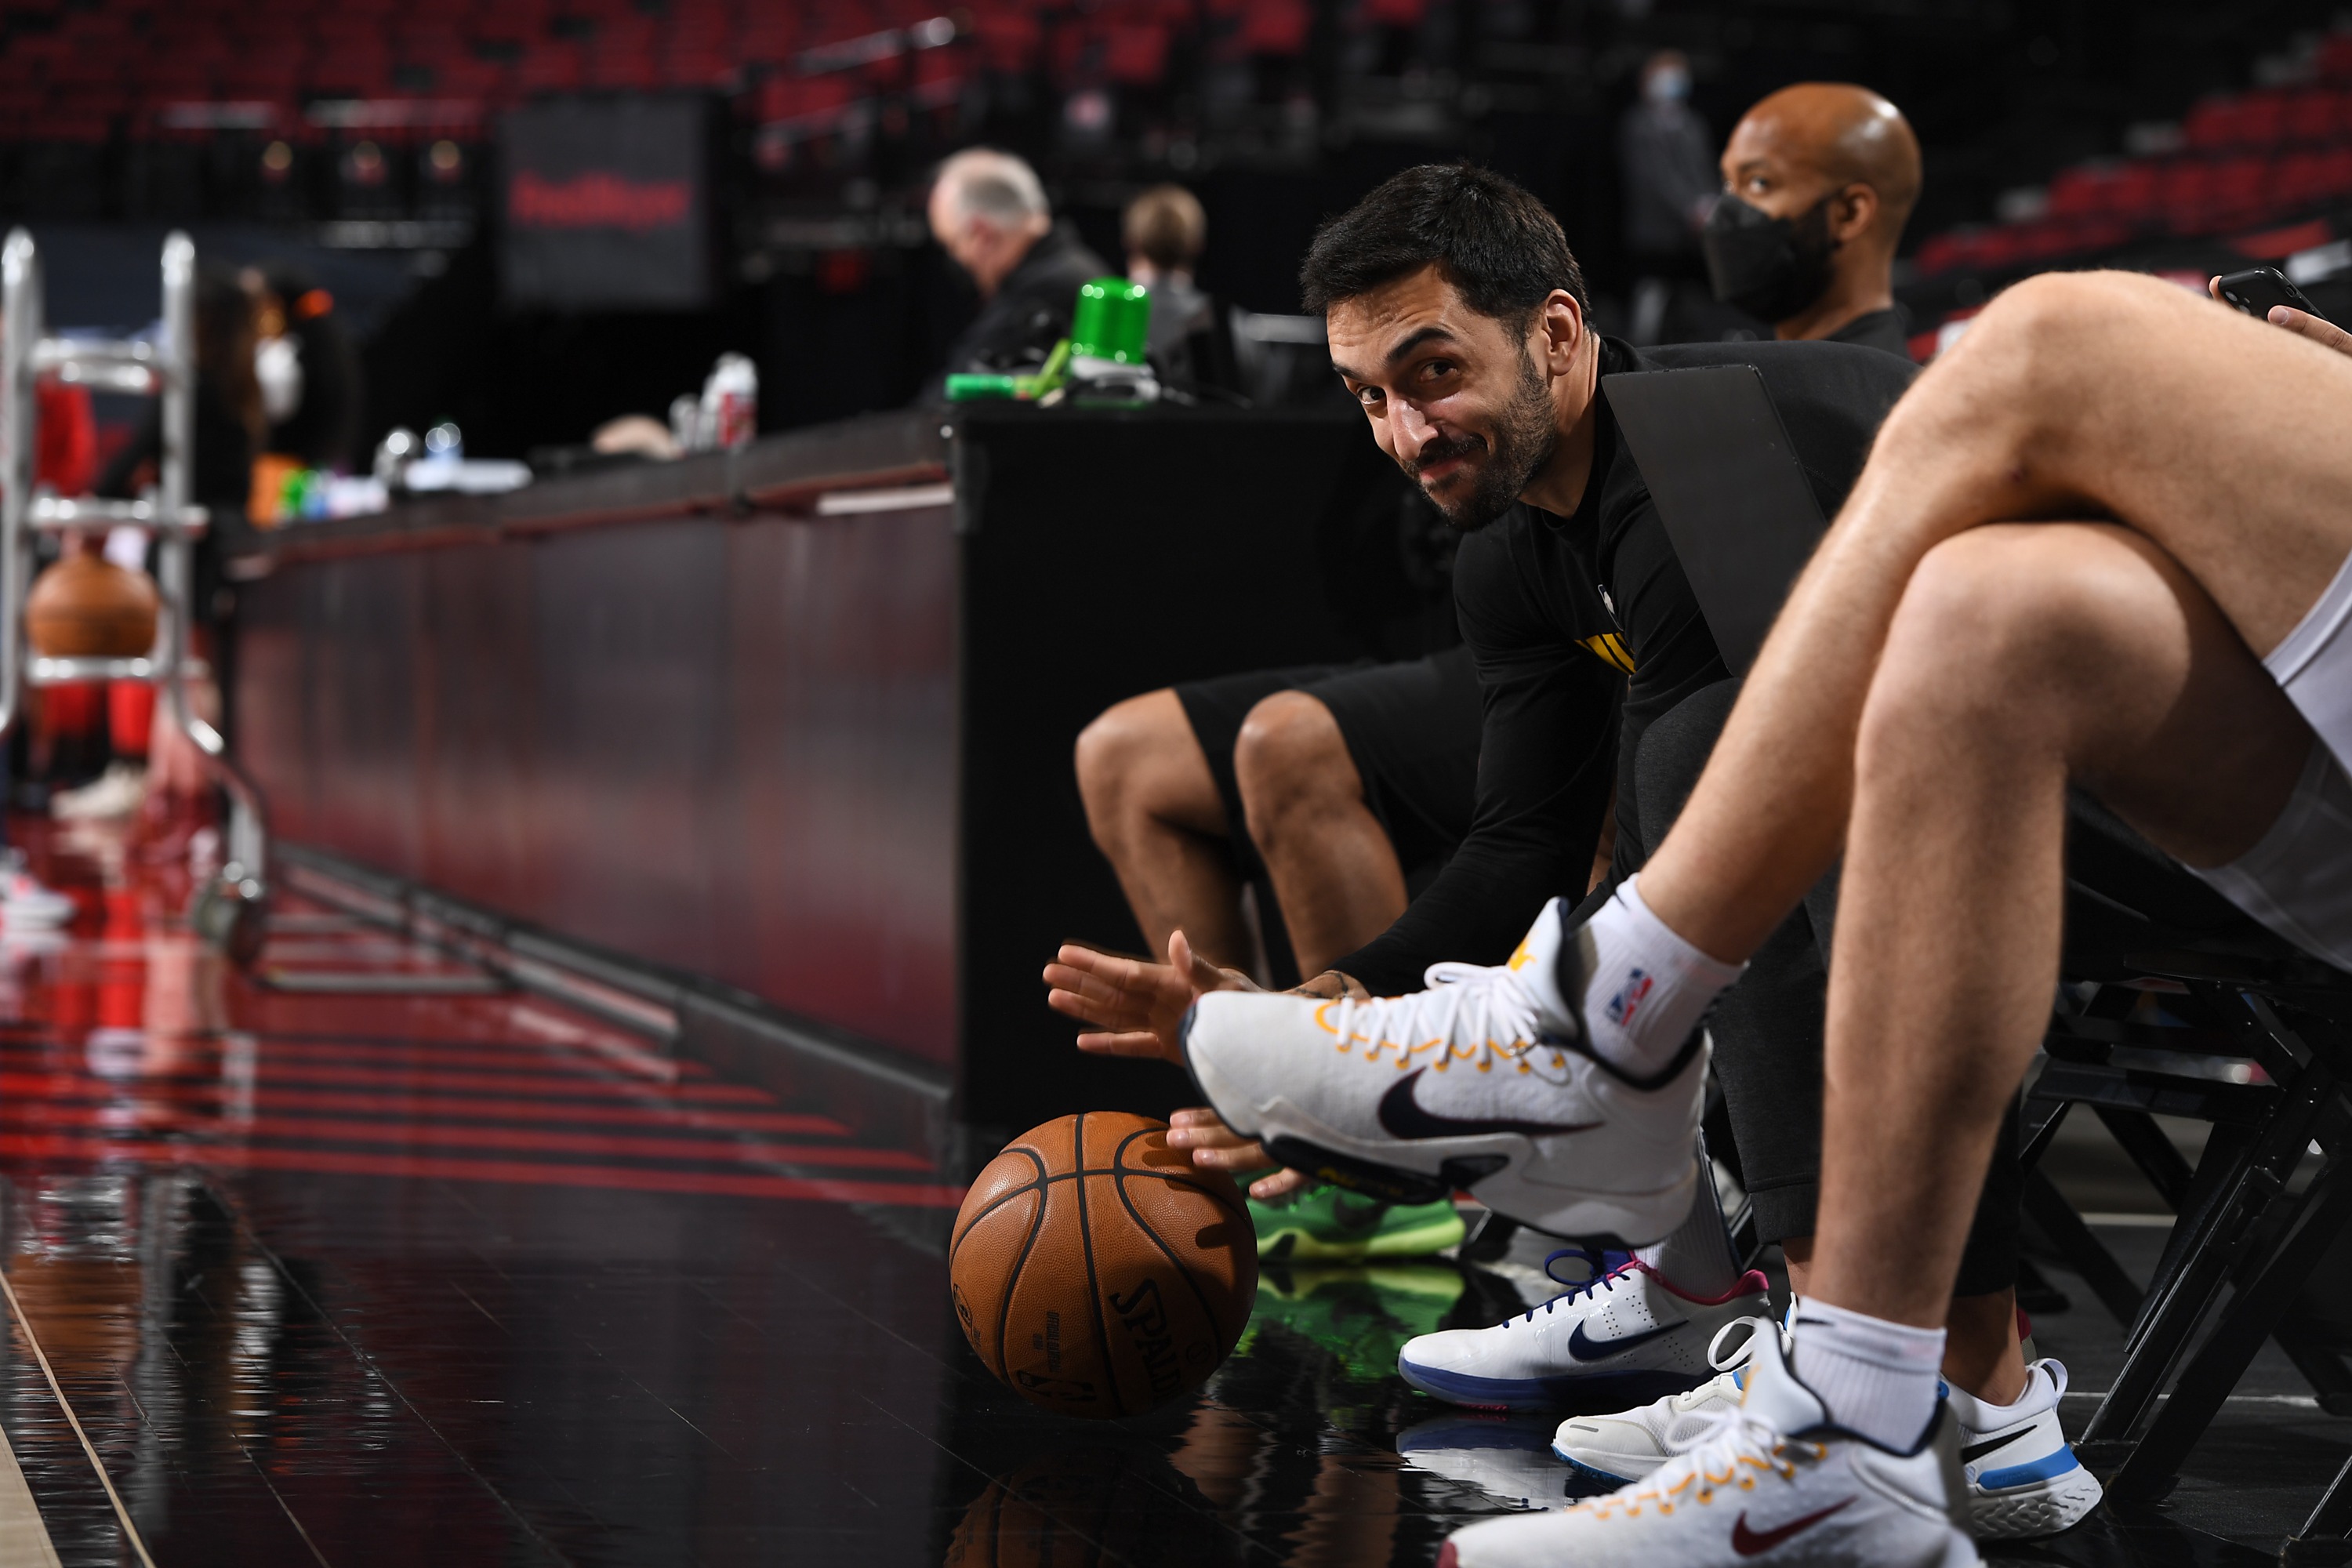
[1329,1224]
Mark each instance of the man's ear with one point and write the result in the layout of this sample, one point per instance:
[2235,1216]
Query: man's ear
[1852,212]
[1563,327]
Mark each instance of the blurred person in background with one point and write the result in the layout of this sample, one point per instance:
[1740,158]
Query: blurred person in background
[1666,156]
[1818,182]
[307,367]
[989,213]
[1165,231]
[230,427]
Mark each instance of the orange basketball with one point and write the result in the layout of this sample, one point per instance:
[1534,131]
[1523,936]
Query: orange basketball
[85,607]
[1096,1270]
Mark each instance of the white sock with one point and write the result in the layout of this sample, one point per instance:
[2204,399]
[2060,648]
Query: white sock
[1649,987]
[1697,1258]
[1875,1378]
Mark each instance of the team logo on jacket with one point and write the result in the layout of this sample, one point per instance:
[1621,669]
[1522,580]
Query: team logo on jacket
[1629,998]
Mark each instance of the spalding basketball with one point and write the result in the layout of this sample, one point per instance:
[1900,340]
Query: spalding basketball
[1097,1271]
[85,607]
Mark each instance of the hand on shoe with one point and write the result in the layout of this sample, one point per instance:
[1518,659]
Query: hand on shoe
[1137,1008]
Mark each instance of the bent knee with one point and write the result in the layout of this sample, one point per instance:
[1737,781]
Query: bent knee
[1131,744]
[1999,612]
[2001,601]
[1290,748]
[2053,327]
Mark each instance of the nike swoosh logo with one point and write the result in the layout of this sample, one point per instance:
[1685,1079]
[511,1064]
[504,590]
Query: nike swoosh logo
[1975,1451]
[1750,1542]
[1581,1346]
[1402,1116]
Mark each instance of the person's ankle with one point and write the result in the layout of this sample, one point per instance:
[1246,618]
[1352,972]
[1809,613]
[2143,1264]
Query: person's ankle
[1982,1355]
[1688,916]
[1873,1377]
[2002,1383]
[1638,986]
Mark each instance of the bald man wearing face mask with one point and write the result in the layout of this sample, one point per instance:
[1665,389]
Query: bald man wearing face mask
[1818,181]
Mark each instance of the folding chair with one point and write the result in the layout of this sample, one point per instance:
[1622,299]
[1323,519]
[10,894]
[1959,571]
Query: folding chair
[2176,1004]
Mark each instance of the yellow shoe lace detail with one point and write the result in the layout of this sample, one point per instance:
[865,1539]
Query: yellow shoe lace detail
[1731,1456]
[1469,1014]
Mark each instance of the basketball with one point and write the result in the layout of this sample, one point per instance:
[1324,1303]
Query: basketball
[85,607]
[1097,1271]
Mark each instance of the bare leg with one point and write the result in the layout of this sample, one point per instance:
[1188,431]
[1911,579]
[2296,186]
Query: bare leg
[1335,873]
[1154,812]
[2218,436]
[1982,1355]
[2090,655]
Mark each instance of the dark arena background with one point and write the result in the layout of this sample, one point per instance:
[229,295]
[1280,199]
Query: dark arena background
[504,984]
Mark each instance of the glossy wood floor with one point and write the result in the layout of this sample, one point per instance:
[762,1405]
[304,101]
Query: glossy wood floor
[476,1278]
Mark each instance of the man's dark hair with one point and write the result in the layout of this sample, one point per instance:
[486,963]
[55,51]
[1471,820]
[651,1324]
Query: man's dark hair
[1494,241]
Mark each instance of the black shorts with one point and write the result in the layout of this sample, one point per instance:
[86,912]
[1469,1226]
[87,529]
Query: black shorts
[1412,729]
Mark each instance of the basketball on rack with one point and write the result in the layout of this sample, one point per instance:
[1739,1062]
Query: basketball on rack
[85,607]
[1097,1271]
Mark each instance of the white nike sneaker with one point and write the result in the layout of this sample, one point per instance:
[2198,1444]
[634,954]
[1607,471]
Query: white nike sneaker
[117,792]
[1614,1449]
[1503,1458]
[2023,1480]
[1482,1081]
[1628,1335]
[26,904]
[2023,1477]
[1773,1482]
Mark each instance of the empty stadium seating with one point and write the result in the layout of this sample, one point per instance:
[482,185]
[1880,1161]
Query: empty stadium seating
[2245,160]
[80,72]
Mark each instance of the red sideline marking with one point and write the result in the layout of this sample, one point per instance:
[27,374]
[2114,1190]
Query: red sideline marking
[562,1055]
[83,1089]
[917,1195]
[555,1061]
[549,1084]
[341,1129]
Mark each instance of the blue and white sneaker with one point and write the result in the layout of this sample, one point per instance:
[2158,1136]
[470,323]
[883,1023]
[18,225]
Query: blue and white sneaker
[2023,1477]
[1629,1335]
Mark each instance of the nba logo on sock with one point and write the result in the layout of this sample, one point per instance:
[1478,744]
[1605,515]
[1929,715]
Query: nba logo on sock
[1628,1000]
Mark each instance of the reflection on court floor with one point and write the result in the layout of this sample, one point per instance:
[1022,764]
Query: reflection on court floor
[341,1270]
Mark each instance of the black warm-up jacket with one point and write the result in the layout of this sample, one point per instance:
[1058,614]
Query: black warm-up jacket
[1562,615]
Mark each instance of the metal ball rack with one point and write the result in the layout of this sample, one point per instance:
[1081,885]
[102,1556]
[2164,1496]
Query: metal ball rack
[229,911]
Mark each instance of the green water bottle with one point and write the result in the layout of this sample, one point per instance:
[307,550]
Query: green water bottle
[1111,323]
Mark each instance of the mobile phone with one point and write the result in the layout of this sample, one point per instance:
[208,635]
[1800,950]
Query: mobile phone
[2255,290]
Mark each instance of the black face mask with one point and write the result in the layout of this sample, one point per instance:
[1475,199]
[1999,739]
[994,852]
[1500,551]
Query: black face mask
[1771,268]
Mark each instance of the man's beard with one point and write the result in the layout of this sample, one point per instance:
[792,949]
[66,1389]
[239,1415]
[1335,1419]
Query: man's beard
[1523,441]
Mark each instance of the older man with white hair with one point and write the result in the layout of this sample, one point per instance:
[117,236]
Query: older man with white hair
[989,213]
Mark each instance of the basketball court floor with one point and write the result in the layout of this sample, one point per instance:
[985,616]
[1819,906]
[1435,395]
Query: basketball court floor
[323,1275]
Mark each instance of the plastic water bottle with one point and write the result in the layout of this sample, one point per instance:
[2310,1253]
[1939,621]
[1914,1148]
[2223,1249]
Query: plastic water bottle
[730,401]
[686,422]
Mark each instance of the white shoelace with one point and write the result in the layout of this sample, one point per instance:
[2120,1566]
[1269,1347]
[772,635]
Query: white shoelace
[1468,1009]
